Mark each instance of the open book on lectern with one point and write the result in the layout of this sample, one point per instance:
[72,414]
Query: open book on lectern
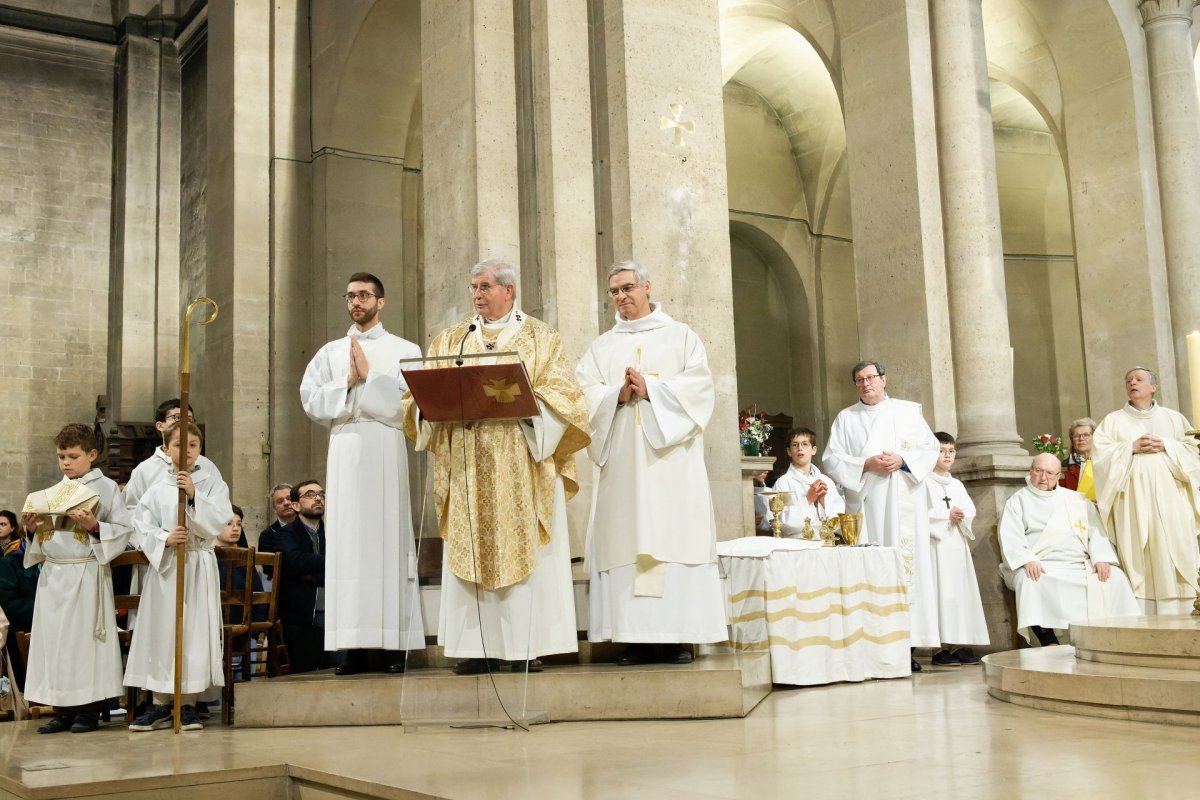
[471,392]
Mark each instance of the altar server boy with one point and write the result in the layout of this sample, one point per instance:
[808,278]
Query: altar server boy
[815,496]
[960,609]
[152,654]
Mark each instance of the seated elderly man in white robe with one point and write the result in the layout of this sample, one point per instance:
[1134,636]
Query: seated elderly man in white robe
[814,496]
[1057,558]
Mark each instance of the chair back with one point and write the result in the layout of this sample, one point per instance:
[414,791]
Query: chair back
[234,563]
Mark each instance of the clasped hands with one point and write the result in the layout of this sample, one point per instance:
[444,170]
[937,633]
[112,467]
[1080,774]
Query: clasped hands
[358,365]
[883,463]
[816,492]
[634,385]
[1035,570]
[1148,443]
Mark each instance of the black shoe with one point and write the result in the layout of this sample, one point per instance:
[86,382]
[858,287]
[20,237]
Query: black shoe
[966,655]
[1045,636]
[635,654]
[914,666]
[189,720]
[676,654]
[57,725]
[85,723]
[201,710]
[394,661]
[395,668]
[944,658]
[355,662]
[532,665]
[156,717]
[477,666]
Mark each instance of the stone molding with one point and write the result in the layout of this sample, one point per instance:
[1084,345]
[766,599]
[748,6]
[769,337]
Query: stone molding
[992,467]
[1159,11]
[56,48]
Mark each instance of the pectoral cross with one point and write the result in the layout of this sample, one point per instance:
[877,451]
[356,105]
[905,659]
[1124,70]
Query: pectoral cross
[637,405]
[1081,527]
[946,500]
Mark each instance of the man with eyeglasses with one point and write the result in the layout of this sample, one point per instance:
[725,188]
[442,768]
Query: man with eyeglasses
[880,450]
[354,386]
[301,601]
[1057,558]
[653,557]
[501,488]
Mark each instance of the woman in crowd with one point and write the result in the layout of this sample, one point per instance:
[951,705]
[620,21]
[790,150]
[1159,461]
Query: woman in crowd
[1077,469]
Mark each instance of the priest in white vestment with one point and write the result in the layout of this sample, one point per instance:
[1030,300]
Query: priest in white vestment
[354,386]
[814,496]
[501,488]
[880,450]
[961,621]
[652,539]
[1146,470]
[1056,557]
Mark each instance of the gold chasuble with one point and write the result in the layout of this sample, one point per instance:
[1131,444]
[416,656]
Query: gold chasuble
[494,502]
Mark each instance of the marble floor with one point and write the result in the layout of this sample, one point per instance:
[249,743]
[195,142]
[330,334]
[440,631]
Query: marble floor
[936,735]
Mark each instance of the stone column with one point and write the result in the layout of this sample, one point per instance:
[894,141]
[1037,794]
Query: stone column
[1176,112]
[661,193]
[983,380]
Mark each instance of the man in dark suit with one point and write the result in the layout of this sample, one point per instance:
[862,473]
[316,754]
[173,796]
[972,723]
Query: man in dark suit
[285,514]
[302,580]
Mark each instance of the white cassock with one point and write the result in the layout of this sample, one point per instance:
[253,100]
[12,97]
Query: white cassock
[150,472]
[652,540]
[798,482]
[1149,503]
[1061,529]
[893,505]
[960,608]
[151,663]
[371,593]
[74,655]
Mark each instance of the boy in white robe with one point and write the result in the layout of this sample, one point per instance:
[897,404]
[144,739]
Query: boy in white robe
[150,471]
[75,528]
[815,497]
[960,608]
[151,662]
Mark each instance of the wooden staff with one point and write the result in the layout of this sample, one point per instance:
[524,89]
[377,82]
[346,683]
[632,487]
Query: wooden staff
[185,380]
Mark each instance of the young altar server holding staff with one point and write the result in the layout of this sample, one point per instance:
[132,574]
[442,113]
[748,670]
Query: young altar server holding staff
[152,653]
[78,526]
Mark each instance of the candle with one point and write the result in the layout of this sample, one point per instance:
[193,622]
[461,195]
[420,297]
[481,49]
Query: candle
[1193,348]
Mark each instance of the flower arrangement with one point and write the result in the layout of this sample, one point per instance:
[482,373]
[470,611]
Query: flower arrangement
[753,430]
[1049,443]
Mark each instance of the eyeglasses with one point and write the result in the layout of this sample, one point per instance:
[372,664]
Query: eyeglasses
[1045,473]
[312,495]
[861,379]
[361,297]
[798,445]
[1081,436]
[626,290]
[175,416]
[483,288]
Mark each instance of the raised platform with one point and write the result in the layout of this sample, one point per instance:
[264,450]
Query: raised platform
[1136,668]
[722,686]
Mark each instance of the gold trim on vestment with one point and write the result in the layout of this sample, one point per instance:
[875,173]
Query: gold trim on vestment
[821,641]
[793,591]
[814,616]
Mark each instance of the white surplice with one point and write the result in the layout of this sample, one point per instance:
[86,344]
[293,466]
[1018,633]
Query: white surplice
[1061,529]
[74,655]
[151,663]
[893,505]
[150,472]
[371,593]
[652,538]
[1149,503]
[960,608]
[798,482]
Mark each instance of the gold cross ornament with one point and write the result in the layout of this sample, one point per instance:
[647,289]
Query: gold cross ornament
[675,121]
[502,392]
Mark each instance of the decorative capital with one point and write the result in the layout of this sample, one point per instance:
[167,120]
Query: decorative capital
[1154,11]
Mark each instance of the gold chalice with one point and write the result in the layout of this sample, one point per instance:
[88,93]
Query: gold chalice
[851,525]
[778,502]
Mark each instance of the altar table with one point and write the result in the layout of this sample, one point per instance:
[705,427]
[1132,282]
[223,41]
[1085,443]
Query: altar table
[825,614]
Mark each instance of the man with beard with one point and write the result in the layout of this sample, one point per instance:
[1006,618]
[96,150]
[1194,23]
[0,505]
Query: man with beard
[353,385]
[302,582]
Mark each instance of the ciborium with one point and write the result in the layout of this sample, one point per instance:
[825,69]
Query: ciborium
[778,502]
[807,531]
[829,531]
[850,525]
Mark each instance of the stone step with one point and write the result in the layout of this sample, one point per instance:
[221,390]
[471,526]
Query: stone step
[1165,642]
[1053,679]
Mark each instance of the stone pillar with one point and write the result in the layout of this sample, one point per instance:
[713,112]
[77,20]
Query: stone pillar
[468,133]
[1176,111]
[661,189]
[233,363]
[983,379]
[899,256]
[144,301]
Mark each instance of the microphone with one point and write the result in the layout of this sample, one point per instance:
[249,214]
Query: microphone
[458,362]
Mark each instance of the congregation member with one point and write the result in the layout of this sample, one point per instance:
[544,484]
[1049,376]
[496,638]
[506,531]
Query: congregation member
[1057,559]
[500,490]
[1147,471]
[10,532]
[815,497]
[18,593]
[652,539]
[961,622]
[74,656]
[285,513]
[301,596]
[880,451]
[151,662]
[1077,468]
[354,386]
[233,535]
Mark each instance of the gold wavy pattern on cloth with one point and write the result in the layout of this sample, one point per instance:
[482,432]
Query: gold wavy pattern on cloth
[821,641]
[793,591]
[814,616]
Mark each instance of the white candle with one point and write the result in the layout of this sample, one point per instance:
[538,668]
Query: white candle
[1193,347]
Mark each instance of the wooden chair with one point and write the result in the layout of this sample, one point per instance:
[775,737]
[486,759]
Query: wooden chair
[235,615]
[128,603]
[270,658]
